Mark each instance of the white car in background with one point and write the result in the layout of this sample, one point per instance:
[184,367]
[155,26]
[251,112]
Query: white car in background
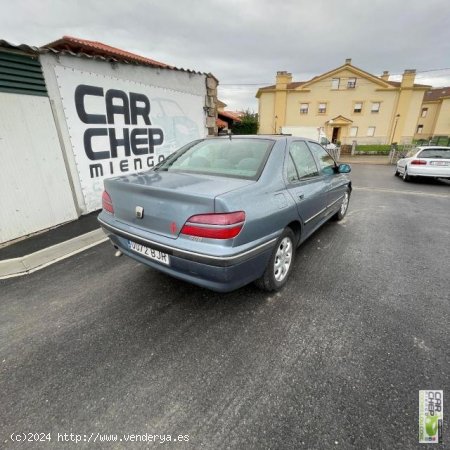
[431,161]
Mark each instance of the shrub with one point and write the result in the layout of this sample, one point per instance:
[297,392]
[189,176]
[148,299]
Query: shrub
[373,149]
[247,125]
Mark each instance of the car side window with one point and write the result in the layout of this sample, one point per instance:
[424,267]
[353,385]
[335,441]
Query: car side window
[326,162]
[303,160]
[292,174]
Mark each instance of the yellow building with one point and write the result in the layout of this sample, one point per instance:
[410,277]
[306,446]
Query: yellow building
[348,103]
[434,119]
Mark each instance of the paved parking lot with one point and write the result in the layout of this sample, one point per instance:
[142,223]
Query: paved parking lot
[96,344]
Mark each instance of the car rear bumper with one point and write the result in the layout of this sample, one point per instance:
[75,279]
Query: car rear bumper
[221,273]
[429,171]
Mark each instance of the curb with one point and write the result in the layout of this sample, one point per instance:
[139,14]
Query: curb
[16,267]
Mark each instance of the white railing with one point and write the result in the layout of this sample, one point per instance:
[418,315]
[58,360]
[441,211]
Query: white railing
[335,153]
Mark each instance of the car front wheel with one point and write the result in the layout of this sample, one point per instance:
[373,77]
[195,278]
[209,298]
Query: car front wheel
[280,264]
[344,206]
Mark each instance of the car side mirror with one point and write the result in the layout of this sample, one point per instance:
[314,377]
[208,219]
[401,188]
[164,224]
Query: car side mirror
[344,168]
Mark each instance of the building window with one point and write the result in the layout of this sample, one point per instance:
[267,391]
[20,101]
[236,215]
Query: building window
[304,108]
[335,83]
[371,131]
[424,112]
[322,108]
[353,131]
[419,129]
[351,83]
[375,107]
[357,107]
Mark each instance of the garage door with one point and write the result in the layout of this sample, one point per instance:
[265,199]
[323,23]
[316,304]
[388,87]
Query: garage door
[35,193]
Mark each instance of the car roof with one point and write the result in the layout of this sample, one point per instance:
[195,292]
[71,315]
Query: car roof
[275,137]
[250,136]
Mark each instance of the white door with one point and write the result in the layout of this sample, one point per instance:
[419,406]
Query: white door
[35,193]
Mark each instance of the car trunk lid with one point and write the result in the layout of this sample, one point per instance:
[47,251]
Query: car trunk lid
[161,202]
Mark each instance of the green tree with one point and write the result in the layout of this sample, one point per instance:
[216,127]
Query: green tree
[247,125]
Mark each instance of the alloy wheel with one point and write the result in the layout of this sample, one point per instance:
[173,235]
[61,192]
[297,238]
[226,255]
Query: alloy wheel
[283,259]
[344,204]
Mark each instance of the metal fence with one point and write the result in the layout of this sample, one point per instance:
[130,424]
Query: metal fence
[443,141]
[399,152]
[335,153]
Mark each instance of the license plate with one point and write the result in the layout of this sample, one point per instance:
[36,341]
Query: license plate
[440,163]
[150,252]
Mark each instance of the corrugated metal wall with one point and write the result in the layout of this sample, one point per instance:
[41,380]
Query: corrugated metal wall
[34,188]
[100,71]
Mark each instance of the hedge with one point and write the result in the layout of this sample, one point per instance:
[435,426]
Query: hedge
[244,128]
[373,149]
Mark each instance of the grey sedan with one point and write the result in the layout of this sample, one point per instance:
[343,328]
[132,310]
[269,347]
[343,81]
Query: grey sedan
[223,212]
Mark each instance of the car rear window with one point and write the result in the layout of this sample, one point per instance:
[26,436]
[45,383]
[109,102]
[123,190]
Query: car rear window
[236,158]
[412,153]
[435,153]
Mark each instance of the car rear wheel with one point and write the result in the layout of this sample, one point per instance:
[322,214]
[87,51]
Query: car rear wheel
[406,177]
[280,264]
[397,173]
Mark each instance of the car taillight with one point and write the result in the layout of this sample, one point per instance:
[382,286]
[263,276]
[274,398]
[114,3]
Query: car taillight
[215,225]
[419,162]
[107,202]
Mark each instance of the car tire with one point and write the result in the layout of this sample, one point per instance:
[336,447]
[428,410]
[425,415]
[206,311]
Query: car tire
[344,207]
[280,264]
[397,173]
[405,176]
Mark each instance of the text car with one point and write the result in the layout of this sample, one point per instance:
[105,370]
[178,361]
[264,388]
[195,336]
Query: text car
[223,212]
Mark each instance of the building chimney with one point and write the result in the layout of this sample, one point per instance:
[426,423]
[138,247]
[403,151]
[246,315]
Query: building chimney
[385,75]
[408,78]
[283,79]
[348,61]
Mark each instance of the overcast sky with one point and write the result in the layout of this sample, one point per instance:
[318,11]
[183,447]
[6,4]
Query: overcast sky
[246,42]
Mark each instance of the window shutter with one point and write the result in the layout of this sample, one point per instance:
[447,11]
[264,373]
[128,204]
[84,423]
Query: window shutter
[21,74]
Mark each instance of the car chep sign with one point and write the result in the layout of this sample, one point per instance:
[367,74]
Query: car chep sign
[118,126]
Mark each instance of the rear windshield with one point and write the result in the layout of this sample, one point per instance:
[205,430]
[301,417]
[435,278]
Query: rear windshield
[236,158]
[435,153]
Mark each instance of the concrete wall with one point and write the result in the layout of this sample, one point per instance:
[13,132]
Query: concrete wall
[437,120]
[442,127]
[409,108]
[429,121]
[266,114]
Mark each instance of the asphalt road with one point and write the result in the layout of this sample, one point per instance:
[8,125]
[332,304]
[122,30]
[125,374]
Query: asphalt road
[97,344]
